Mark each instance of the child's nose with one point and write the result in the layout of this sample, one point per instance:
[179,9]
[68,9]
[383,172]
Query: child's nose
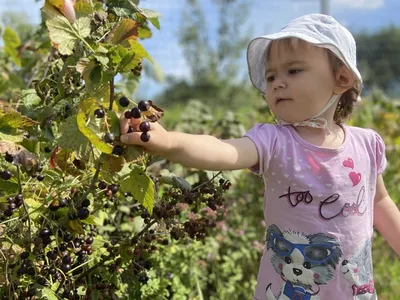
[279,83]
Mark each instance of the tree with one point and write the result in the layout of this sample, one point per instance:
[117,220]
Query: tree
[378,56]
[213,55]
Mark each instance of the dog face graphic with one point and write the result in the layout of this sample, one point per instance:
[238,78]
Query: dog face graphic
[350,271]
[303,259]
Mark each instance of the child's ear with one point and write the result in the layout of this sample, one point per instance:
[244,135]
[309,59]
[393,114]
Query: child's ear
[344,80]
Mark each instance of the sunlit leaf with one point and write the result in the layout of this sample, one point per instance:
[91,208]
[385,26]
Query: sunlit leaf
[10,118]
[63,34]
[124,30]
[71,138]
[140,186]
[91,135]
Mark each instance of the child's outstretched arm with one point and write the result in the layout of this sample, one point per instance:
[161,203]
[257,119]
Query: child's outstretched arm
[196,151]
[387,216]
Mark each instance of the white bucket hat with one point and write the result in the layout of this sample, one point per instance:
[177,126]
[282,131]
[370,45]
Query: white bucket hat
[317,29]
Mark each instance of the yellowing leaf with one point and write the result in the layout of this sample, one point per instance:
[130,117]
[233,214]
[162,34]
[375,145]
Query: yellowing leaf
[10,118]
[124,30]
[140,186]
[91,135]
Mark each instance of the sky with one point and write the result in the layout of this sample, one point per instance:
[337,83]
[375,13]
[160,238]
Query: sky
[265,16]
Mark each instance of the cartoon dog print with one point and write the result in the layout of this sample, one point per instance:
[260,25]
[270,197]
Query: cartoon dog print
[302,261]
[358,271]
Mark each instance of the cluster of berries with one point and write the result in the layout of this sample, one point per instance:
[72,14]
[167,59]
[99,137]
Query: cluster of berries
[136,113]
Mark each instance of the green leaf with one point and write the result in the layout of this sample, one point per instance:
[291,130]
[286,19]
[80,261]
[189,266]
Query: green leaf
[84,9]
[30,98]
[140,186]
[71,138]
[62,33]
[11,44]
[140,51]
[169,178]
[144,33]
[47,293]
[152,16]
[92,220]
[91,135]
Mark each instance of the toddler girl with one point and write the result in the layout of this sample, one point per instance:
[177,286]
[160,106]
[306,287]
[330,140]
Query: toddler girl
[324,190]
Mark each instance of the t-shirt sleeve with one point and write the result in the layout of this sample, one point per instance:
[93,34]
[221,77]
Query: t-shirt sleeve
[380,156]
[264,138]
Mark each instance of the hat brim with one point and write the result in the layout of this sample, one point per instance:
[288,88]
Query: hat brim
[256,52]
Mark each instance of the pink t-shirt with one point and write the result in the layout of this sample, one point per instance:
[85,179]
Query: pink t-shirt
[318,209]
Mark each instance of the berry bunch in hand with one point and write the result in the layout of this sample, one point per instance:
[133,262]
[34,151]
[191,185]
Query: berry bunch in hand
[137,122]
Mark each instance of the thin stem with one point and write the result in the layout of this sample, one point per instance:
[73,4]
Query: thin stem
[25,208]
[204,183]
[92,183]
[111,93]
[6,262]
[145,229]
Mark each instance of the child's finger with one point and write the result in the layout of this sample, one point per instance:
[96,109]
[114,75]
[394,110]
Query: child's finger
[124,124]
[132,138]
[135,123]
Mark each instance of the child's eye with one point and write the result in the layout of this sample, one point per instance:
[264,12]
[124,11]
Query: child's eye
[294,71]
[270,78]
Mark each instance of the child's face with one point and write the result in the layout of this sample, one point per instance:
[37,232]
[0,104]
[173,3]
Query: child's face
[300,80]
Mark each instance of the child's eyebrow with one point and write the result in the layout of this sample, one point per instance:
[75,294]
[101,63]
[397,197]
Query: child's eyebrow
[286,64]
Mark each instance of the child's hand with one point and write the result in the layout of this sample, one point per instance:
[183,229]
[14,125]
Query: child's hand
[156,141]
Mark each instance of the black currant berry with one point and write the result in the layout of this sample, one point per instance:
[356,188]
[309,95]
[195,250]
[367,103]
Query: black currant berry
[85,203]
[47,149]
[66,259]
[128,114]
[9,158]
[144,126]
[44,233]
[130,129]
[19,197]
[99,113]
[41,281]
[109,137]
[8,213]
[145,137]
[66,268]
[135,112]
[83,213]
[31,292]
[24,255]
[118,150]
[40,177]
[63,202]
[102,185]
[68,237]
[6,175]
[52,270]
[143,105]
[89,240]
[123,101]
[113,188]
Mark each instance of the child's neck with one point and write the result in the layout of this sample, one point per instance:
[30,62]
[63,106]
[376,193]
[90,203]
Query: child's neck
[331,137]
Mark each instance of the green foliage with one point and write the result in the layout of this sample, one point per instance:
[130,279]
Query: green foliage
[378,57]
[81,215]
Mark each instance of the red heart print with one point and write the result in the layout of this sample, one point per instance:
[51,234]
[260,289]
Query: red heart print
[355,178]
[349,163]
